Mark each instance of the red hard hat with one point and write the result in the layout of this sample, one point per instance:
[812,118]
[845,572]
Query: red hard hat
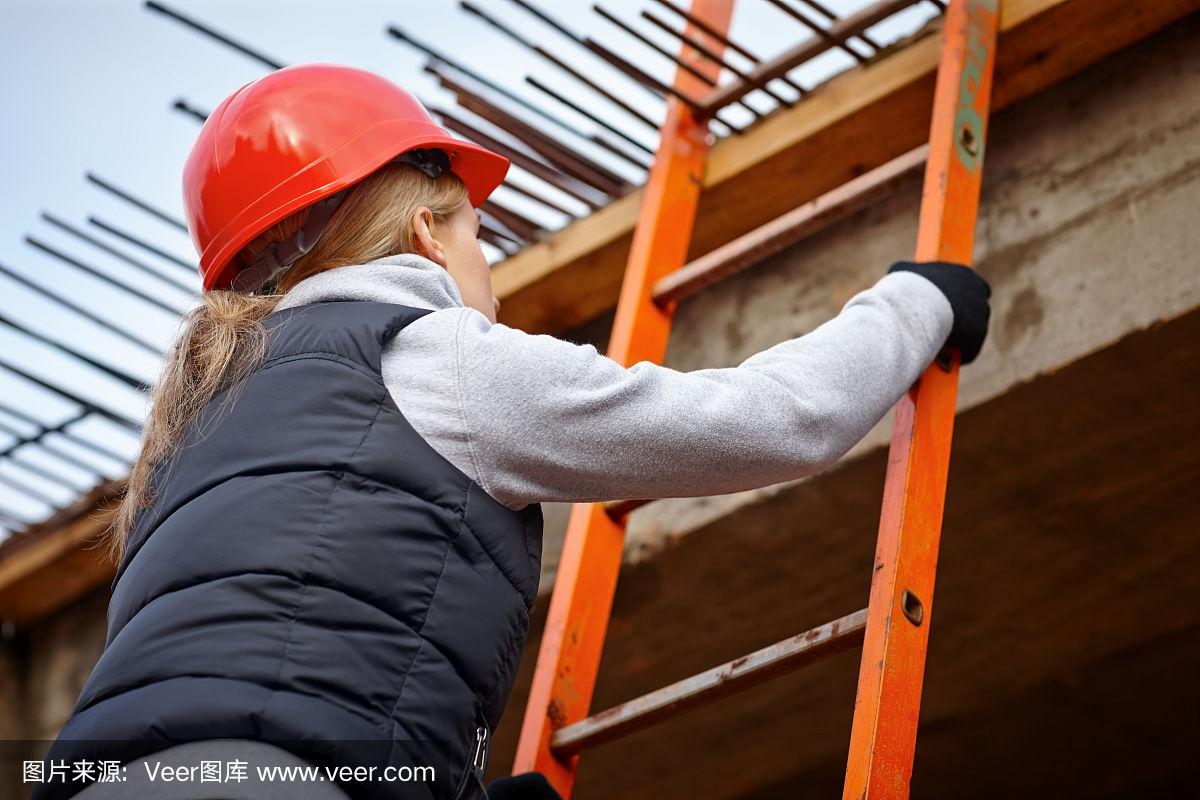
[299,135]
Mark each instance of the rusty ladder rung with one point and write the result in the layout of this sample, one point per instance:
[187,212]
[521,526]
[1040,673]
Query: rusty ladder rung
[729,678]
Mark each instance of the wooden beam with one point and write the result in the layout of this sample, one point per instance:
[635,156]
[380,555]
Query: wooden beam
[58,562]
[849,125]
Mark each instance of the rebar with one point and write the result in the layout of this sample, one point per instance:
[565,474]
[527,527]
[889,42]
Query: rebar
[128,336]
[537,198]
[572,163]
[13,523]
[112,416]
[192,269]
[720,37]
[639,75]
[29,491]
[220,37]
[526,162]
[662,51]
[546,18]
[61,455]
[583,112]
[713,56]
[471,8]
[524,228]
[61,430]
[143,205]
[842,44]
[437,56]
[616,151]
[790,59]
[99,275]
[498,239]
[192,111]
[112,251]
[45,474]
[581,42]
[830,16]
[112,372]
[648,80]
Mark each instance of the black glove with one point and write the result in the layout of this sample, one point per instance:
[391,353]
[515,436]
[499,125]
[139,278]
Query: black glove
[526,786]
[968,294]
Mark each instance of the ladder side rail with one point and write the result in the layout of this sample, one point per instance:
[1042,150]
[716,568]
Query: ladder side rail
[887,705]
[573,639]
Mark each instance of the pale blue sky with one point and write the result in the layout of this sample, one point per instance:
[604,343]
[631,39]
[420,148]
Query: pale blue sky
[88,84]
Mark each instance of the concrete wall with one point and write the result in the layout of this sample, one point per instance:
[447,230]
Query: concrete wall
[1066,601]
[42,669]
[12,723]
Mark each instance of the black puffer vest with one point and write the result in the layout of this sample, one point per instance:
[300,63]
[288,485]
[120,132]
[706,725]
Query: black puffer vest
[313,574]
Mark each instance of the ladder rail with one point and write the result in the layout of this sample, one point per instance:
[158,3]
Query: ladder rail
[888,701]
[577,620]
[894,628]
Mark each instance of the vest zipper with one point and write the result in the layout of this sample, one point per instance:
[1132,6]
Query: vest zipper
[473,774]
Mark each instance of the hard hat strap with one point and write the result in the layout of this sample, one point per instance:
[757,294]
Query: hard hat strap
[277,258]
[432,161]
[272,262]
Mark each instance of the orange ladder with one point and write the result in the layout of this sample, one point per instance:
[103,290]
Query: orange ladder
[894,628]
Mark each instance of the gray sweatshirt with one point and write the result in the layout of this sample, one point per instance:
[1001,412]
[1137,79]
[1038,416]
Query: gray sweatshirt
[533,418]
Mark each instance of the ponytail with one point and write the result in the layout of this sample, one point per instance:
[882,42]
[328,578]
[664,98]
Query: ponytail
[224,339]
[219,344]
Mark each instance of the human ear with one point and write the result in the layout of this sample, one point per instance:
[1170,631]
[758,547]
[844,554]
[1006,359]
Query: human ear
[423,239]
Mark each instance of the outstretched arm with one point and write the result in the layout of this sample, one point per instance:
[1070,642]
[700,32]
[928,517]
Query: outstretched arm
[548,420]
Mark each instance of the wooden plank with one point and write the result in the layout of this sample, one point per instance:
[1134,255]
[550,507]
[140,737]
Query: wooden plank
[801,153]
[57,565]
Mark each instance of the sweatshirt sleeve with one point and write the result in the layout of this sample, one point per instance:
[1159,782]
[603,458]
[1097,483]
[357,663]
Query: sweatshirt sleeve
[547,420]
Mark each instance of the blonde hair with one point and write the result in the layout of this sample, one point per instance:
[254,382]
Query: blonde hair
[222,340]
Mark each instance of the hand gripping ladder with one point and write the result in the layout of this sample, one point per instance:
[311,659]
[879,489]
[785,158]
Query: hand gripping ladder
[894,628]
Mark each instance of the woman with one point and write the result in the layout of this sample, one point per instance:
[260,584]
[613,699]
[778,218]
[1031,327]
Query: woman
[330,541]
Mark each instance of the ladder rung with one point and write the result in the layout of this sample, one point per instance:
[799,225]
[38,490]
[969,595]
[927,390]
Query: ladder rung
[722,681]
[782,232]
[774,236]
